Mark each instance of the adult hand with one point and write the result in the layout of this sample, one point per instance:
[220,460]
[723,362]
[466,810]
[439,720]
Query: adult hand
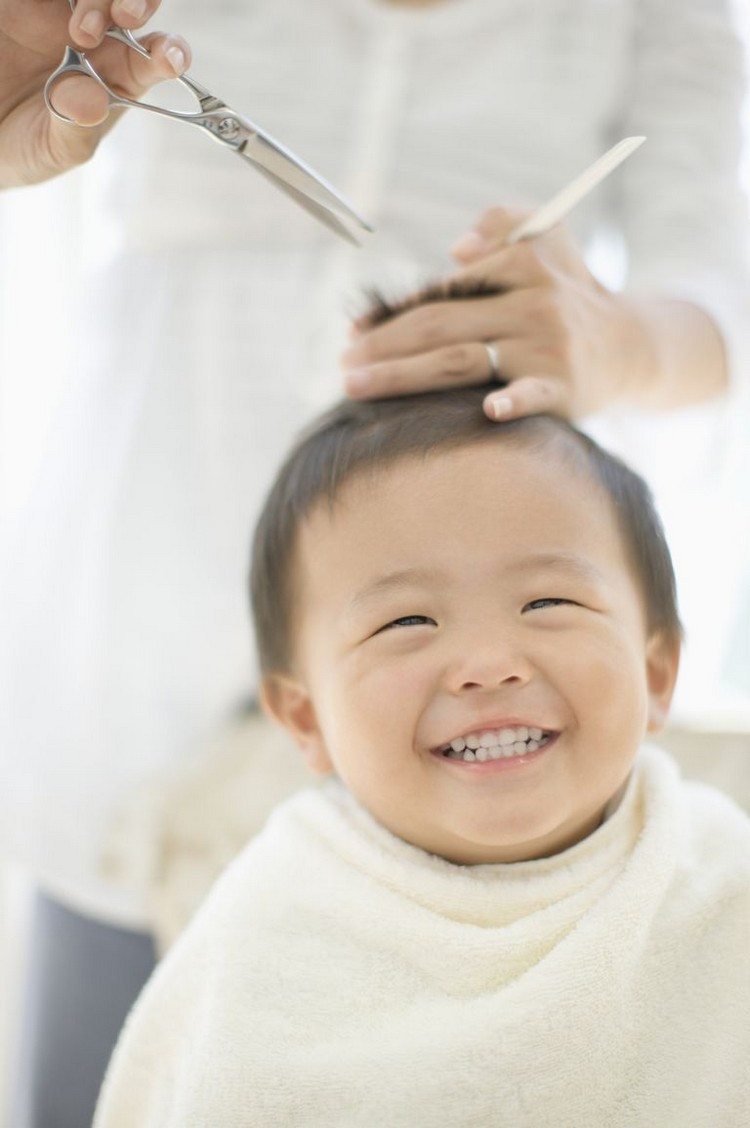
[564,343]
[33,34]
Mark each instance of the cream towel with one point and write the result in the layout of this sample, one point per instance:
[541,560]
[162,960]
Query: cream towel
[177,833]
[337,976]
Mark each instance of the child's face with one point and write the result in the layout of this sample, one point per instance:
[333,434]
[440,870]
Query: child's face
[477,591]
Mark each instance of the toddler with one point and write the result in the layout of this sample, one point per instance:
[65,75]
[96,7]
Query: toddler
[503,908]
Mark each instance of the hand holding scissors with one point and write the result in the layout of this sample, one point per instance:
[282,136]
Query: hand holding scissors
[33,34]
[233,131]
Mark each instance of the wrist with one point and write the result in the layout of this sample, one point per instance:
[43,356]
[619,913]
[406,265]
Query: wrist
[678,355]
[636,347]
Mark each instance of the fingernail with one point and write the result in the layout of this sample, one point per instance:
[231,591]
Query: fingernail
[135,8]
[358,379]
[92,24]
[500,407]
[470,245]
[176,58]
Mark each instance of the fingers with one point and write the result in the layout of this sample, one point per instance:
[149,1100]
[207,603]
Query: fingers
[434,326]
[464,365]
[91,18]
[89,22]
[488,234]
[518,267]
[169,57]
[529,395]
[133,13]
[442,345]
[452,367]
[83,101]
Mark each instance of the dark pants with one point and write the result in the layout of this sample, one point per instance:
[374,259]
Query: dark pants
[81,978]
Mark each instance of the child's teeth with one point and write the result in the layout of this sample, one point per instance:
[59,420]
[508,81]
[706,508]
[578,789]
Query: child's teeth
[493,745]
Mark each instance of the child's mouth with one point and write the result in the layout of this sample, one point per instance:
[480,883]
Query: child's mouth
[500,744]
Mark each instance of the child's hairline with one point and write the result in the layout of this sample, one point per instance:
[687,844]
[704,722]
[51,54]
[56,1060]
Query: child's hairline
[563,439]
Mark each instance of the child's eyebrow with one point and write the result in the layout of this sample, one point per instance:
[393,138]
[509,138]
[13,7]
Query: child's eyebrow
[391,582]
[579,567]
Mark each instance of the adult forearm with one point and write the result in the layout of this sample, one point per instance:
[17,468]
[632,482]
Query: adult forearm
[685,356]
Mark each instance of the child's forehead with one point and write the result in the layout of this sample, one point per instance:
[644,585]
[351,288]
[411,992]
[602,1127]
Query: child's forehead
[514,488]
[511,470]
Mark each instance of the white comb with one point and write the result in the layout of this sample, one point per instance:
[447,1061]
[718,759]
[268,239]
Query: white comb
[555,209]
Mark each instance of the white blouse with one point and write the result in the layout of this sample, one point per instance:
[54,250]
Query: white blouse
[205,313]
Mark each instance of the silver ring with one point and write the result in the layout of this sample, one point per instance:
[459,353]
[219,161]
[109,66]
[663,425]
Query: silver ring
[494,359]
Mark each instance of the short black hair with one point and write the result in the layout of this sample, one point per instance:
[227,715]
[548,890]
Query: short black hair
[359,436]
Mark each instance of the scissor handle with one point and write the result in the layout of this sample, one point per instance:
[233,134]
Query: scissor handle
[77,62]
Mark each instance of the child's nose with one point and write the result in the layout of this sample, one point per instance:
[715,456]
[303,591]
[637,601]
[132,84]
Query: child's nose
[489,663]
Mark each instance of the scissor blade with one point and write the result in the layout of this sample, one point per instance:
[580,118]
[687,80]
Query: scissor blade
[269,156]
[323,215]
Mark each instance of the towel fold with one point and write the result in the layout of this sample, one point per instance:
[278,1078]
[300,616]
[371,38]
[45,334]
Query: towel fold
[339,976]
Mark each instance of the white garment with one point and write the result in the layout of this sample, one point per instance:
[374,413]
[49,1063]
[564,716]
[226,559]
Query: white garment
[206,313]
[337,975]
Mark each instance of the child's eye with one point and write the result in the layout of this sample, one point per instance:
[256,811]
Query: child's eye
[410,621]
[550,601]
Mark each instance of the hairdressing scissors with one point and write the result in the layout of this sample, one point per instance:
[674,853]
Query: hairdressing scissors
[236,133]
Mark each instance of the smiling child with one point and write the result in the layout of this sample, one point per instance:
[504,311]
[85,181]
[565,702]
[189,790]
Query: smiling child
[479,595]
[503,908]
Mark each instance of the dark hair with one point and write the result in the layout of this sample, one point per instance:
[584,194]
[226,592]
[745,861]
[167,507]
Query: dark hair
[359,436]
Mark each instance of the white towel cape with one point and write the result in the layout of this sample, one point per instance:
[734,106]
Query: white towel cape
[338,976]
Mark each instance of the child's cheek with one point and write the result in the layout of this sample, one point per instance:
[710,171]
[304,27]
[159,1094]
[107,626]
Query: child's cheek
[607,676]
[380,676]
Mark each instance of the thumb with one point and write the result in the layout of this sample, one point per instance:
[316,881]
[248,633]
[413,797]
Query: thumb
[529,395]
[81,100]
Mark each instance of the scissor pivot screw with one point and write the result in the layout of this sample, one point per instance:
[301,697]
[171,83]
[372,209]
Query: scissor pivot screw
[228,128]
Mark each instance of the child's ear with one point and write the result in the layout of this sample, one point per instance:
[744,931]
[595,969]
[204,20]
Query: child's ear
[662,664]
[287,701]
